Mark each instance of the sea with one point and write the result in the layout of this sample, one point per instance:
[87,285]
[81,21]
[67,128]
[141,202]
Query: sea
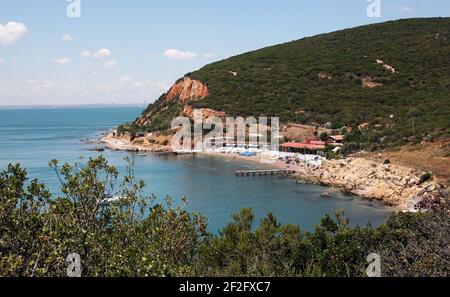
[33,137]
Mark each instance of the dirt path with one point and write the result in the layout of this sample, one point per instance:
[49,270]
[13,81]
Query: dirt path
[428,157]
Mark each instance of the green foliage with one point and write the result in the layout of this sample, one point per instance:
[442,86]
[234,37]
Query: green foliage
[407,244]
[323,136]
[426,177]
[132,236]
[135,236]
[21,219]
[240,251]
[414,244]
[160,115]
[319,79]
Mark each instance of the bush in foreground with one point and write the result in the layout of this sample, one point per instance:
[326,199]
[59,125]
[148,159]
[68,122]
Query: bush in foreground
[135,236]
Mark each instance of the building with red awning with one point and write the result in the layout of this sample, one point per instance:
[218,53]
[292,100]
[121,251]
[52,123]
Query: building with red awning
[313,147]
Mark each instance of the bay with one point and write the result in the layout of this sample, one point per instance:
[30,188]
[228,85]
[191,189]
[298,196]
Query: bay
[32,137]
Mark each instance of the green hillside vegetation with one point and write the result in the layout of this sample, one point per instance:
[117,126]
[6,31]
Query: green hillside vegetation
[319,79]
[137,236]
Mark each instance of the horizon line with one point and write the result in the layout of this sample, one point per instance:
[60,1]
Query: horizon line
[50,106]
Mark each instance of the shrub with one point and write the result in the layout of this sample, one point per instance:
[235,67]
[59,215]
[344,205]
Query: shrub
[270,82]
[425,177]
[134,236]
[323,136]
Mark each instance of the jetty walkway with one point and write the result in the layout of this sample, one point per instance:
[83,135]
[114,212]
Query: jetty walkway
[264,172]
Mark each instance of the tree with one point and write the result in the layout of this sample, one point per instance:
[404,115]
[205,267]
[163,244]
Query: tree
[131,235]
[323,136]
[119,231]
[22,206]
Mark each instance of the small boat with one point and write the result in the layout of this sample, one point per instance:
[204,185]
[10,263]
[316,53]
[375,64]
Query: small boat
[247,154]
[326,195]
[111,200]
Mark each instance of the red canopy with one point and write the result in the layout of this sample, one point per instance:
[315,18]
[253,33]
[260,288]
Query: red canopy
[297,145]
[318,142]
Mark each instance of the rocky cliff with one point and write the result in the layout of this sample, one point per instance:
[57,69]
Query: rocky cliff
[386,75]
[176,102]
[187,89]
[393,184]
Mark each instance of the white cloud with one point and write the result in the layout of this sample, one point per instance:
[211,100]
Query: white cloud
[98,54]
[61,90]
[131,83]
[62,61]
[111,64]
[2,61]
[52,90]
[102,53]
[41,85]
[11,32]
[210,55]
[179,55]
[130,89]
[406,8]
[126,78]
[67,38]
[86,54]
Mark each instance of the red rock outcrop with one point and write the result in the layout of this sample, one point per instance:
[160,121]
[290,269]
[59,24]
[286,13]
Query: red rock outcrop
[206,113]
[186,89]
[183,90]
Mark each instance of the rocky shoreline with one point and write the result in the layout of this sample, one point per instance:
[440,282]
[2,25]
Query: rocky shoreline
[123,143]
[390,184]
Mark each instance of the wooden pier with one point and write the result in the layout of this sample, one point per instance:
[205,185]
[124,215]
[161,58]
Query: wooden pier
[264,172]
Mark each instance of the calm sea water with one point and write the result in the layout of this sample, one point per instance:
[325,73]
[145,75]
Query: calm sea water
[34,137]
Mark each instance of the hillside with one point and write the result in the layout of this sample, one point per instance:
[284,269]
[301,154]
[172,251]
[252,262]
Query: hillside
[394,77]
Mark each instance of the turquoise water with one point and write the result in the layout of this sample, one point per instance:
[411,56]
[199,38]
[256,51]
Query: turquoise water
[34,137]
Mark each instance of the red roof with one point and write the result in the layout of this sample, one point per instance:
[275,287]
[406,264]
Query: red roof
[336,144]
[338,137]
[318,142]
[303,146]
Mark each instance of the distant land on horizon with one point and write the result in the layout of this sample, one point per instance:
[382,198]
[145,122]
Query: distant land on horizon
[74,106]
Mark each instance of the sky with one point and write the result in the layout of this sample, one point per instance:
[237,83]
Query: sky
[130,52]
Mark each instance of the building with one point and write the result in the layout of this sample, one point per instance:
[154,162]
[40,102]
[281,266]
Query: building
[316,142]
[312,147]
[231,143]
[316,147]
[335,140]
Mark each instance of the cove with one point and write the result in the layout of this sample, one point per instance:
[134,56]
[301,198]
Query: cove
[34,137]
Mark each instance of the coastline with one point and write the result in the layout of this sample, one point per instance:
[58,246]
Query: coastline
[255,160]
[123,143]
[390,184]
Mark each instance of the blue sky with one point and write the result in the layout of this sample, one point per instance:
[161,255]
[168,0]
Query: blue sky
[131,51]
